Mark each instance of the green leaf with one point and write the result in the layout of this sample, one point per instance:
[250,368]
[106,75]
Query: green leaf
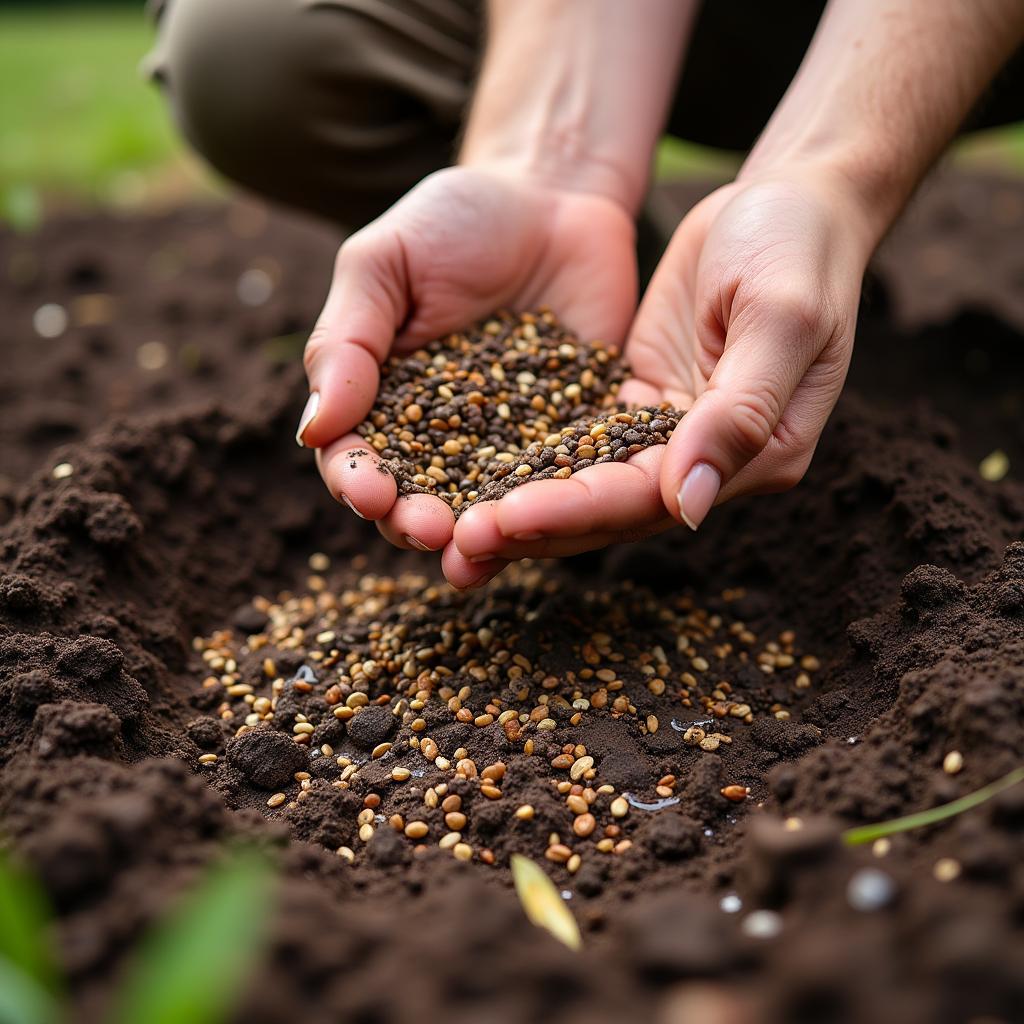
[23,1000]
[24,919]
[542,902]
[869,833]
[192,966]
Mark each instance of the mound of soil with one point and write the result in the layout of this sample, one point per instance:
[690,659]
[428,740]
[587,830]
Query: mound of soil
[895,568]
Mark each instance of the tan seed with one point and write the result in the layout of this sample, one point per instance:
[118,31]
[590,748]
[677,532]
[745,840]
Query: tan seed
[584,825]
[417,829]
[276,800]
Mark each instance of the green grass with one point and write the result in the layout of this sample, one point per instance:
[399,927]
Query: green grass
[77,118]
[78,121]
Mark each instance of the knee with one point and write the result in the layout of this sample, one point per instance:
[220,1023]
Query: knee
[232,70]
[313,104]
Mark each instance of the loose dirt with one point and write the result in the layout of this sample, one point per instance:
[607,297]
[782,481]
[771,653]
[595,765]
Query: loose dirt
[183,527]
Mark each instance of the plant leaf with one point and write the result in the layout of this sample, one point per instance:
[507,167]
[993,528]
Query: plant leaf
[23,1000]
[192,966]
[24,919]
[542,902]
[869,833]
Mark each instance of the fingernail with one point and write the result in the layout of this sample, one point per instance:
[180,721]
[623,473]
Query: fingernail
[527,535]
[482,558]
[345,499]
[482,581]
[698,493]
[413,542]
[307,417]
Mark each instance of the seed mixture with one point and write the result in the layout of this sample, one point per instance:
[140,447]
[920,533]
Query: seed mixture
[515,398]
[425,702]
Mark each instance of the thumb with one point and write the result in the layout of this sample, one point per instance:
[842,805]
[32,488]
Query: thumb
[769,347]
[353,335]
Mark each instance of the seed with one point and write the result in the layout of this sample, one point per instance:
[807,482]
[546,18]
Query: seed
[451,803]
[584,825]
[737,794]
[946,869]
[366,832]
[380,750]
[580,766]
[491,792]
[346,853]
[524,812]
[495,772]
[448,840]
[276,800]
[619,807]
[401,774]
[417,829]
[652,723]
[577,804]
[462,851]
[953,762]
[455,820]
[558,852]
[207,758]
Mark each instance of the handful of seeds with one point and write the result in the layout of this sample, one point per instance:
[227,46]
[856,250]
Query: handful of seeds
[515,398]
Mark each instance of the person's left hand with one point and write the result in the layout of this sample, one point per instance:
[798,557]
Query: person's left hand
[748,324]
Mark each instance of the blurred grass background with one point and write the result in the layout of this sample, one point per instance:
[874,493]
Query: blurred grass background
[80,125]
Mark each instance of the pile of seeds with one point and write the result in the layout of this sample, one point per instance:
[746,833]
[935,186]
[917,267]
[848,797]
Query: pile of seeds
[514,399]
[520,708]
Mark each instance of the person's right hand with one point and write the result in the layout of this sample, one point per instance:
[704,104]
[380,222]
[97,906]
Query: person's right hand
[461,244]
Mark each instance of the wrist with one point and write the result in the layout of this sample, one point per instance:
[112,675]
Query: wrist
[559,165]
[865,199]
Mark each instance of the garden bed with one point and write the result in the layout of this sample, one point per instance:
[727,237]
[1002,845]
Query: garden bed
[177,519]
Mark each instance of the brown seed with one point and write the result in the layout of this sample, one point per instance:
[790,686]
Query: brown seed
[558,852]
[417,829]
[491,792]
[451,803]
[562,761]
[495,772]
[584,825]
[737,794]
[577,804]
[455,820]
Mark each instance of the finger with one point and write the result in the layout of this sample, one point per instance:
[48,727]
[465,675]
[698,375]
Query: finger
[785,458]
[356,477]
[419,521]
[465,575]
[769,347]
[607,498]
[352,336]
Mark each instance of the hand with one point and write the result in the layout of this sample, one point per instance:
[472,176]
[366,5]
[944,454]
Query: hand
[461,244]
[748,324]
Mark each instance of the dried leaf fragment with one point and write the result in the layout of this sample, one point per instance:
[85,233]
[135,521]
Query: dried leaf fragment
[542,903]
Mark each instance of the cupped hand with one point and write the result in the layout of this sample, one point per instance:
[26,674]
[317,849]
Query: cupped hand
[748,324]
[461,244]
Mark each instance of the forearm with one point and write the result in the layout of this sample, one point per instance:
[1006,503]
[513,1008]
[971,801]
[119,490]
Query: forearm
[883,88]
[576,92]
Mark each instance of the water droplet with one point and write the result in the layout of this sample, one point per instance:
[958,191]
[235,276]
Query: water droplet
[566,894]
[731,903]
[762,924]
[870,889]
[653,805]
[50,320]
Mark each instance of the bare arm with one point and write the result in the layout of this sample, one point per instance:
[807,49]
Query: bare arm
[884,86]
[575,92]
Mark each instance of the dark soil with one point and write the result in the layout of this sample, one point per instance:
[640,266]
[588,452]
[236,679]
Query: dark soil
[894,564]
